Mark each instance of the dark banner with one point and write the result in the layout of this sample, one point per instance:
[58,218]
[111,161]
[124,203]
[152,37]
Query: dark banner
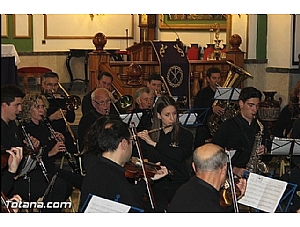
[175,69]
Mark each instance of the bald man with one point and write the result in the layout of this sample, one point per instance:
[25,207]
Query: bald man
[201,193]
[100,100]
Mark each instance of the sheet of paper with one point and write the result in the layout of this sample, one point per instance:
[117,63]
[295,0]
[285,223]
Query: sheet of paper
[263,193]
[134,117]
[100,205]
[188,119]
[282,146]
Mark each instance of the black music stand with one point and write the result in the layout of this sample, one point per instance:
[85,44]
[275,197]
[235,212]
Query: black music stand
[230,94]
[131,117]
[193,117]
[285,147]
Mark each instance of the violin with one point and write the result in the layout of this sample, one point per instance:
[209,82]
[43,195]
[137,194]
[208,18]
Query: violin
[226,196]
[4,207]
[134,169]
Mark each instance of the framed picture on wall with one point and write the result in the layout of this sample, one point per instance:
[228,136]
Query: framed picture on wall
[193,21]
[296,38]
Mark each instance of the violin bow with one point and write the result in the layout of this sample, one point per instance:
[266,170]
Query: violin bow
[137,143]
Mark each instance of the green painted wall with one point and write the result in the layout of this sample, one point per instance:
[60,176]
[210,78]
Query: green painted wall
[21,44]
[261,41]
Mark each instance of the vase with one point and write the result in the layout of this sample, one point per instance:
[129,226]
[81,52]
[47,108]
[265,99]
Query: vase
[270,108]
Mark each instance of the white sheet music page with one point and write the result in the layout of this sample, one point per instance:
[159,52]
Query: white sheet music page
[100,205]
[263,193]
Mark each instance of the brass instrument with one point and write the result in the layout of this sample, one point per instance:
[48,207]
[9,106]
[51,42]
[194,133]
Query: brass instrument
[124,101]
[73,102]
[235,77]
[255,165]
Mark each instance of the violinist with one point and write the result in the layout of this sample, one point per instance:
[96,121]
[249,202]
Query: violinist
[202,193]
[172,146]
[106,177]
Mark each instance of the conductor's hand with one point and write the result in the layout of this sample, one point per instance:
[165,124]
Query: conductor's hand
[16,155]
[162,172]
[218,110]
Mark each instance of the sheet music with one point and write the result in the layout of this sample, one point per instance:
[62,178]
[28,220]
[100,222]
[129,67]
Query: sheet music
[227,93]
[263,193]
[133,117]
[297,147]
[188,119]
[100,205]
[282,146]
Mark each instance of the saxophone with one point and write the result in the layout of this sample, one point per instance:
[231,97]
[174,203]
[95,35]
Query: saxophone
[255,165]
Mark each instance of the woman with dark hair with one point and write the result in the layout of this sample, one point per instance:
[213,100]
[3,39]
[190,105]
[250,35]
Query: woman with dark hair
[172,146]
[288,114]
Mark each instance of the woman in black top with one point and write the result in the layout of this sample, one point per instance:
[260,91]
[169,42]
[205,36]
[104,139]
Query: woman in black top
[172,147]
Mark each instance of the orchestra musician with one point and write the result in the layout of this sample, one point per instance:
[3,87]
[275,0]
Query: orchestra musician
[31,186]
[58,113]
[170,144]
[202,193]
[154,83]
[288,114]
[104,80]
[106,177]
[101,101]
[33,114]
[238,133]
[205,99]
[144,100]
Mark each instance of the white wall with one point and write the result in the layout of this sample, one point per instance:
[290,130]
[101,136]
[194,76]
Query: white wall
[105,22]
[279,50]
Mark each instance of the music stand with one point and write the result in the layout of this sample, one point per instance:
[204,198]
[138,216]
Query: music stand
[285,147]
[193,117]
[230,94]
[131,117]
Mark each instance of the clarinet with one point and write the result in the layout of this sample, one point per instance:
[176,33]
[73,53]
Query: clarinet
[72,163]
[48,189]
[35,152]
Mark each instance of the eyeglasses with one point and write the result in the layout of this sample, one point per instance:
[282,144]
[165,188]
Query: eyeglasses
[102,102]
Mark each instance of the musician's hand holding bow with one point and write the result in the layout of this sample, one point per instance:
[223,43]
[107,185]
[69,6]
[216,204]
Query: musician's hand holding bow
[144,135]
[16,155]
